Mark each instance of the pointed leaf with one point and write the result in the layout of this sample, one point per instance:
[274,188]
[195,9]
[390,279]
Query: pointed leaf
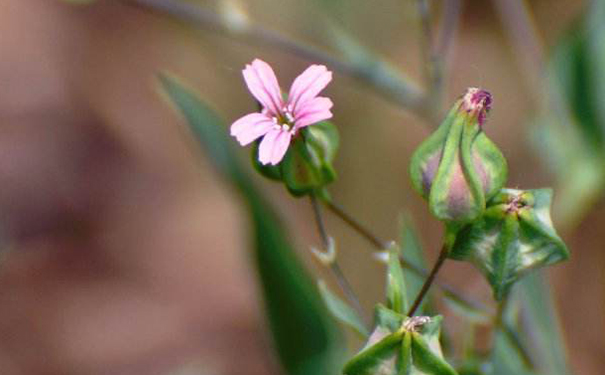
[303,332]
[396,290]
[342,311]
[377,358]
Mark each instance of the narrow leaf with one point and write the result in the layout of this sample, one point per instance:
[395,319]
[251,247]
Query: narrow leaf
[341,310]
[396,290]
[303,332]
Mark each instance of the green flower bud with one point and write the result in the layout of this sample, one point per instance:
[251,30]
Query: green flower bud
[514,235]
[457,169]
[307,165]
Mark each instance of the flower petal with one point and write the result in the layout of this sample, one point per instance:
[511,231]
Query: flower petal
[248,128]
[314,110]
[263,84]
[308,85]
[273,147]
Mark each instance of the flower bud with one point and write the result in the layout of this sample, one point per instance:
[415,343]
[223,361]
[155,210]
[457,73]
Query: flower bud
[457,169]
[307,165]
[513,236]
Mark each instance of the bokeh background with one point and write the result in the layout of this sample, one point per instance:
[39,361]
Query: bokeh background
[124,251]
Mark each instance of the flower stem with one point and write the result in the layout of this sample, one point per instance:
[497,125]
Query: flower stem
[429,281]
[356,225]
[380,244]
[342,281]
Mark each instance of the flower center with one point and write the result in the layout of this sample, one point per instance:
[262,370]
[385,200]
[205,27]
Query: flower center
[285,120]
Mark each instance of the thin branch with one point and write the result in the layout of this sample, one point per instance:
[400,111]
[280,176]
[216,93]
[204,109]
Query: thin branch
[380,244]
[356,225]
[344,284]
[359,63]
[450,19]
[429,281]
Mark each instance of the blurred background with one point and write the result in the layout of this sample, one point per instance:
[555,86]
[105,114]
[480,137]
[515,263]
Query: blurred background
[125,253]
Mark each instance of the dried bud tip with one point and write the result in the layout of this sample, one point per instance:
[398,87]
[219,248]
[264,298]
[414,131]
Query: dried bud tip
[477,102]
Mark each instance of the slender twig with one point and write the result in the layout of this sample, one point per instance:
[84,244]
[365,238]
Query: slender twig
[380,244]
[517,19]
[356,225]
[429,281]
[449,26]
[344,284]
[360,64]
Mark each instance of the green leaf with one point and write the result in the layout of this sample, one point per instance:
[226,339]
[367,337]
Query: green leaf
[413,254]
[396,290]
[378,357]
[569,133]
[304,334]
[543,323]
[342,311]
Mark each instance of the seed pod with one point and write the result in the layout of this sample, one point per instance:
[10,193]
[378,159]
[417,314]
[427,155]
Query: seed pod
[457,169]
[513,236]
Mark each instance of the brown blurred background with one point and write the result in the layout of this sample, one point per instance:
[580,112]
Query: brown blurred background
[127,255]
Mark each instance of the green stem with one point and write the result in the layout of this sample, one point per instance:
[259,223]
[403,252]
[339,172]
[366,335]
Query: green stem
[429,281]
[380,244]
[342,281]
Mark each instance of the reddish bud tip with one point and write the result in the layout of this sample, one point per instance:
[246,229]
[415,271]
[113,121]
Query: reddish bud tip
[477,102]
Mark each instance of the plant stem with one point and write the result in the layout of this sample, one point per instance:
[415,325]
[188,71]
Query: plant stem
[429,281]
[344,284]
[361,63]
[356,225]
[380,244]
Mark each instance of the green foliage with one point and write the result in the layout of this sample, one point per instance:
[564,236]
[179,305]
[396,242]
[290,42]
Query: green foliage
[342,311]
[304,335]
[545,329]
[457,169]
[570,131]
[396,290]
[307,165]
[412,253]
[514,236]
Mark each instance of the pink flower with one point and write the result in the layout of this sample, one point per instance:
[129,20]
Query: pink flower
[280,120]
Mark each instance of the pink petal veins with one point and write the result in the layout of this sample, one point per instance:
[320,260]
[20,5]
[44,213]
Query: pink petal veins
[314,110]
[273,147]
[248,128]
[308,85]
[263,84]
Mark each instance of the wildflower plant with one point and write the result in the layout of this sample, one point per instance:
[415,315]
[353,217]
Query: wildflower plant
[505,233]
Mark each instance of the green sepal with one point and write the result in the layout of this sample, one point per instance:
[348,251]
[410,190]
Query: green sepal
[404,361]
[514,236]
[387,318]
[458,169]
[378,357]
[426,350]
[272,172]
[307,165]
[396,289]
